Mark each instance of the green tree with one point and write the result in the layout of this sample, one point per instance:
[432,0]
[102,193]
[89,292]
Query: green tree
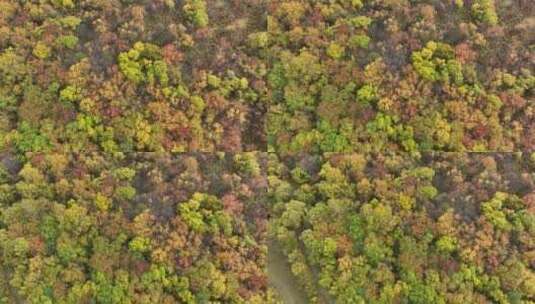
[485,11]
[196,12]
[143,63]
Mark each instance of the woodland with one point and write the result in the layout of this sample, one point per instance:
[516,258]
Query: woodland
[149,228]
[267,151]
[131,76]
[390,228]
[397,75]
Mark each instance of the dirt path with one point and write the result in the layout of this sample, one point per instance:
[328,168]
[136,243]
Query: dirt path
[281,277]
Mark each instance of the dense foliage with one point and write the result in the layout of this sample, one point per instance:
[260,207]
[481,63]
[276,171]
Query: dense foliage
[148,228]
[443,228]
[400,75]
[323,151]
[122,76]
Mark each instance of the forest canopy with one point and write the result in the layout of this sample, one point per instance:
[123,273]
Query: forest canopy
[441,228]
[132,76]
[408,76]
[267,151]
[148,228]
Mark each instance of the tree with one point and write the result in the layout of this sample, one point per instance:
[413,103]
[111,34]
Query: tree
[492,210]
[143,63]
[247,163]
[335,51]
[446,244]
[196,12]
[41,50]
[435,62]
[485,11]
[294,214]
